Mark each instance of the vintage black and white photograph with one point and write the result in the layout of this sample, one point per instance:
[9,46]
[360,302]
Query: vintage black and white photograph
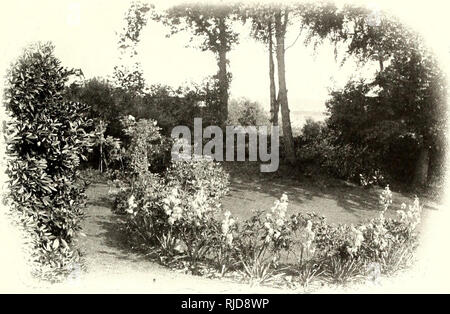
[224,148]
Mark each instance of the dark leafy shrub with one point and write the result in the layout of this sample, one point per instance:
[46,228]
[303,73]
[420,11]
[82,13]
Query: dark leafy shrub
[46,140]
[101,96]
[314,145]
[172,107]
[397,118]
[312,130]
[320,149]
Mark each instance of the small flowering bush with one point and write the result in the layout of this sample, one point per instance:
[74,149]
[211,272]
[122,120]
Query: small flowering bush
[190,216]
[257,246]
[193,205]
[177,212]
[199,174]
[225,245]
[275,222]
[266,240]
[410,218]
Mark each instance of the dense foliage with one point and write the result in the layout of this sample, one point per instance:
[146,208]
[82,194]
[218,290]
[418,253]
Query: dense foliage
[47,138]
[397,119]
[145,148]
[319,150]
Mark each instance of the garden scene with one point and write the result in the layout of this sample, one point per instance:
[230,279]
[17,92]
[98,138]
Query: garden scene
[97,188]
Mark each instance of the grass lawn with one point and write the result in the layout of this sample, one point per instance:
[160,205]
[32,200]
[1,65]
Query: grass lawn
[338,201]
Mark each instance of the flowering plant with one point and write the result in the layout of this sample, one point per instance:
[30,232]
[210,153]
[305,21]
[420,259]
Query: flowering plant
[410,217]
[386,198]
[275,222]
[225,248]
[227,225]
[180,215]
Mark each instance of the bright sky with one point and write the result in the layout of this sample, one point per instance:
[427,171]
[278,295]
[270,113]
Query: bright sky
[84,33]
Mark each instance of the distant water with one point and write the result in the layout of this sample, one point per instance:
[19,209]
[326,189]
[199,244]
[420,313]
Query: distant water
[298,118]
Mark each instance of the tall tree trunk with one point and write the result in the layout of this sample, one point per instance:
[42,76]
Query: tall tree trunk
[423,161]
[101,158]
[223,75]
[274,108]
[280,31]
[381,62]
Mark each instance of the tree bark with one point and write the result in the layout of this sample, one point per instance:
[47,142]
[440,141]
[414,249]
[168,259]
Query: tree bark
[101,158]
[423,161]
[274,108]
[280,32]
[381,63]
[223,75]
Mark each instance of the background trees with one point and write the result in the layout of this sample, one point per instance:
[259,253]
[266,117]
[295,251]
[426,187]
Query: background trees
[399,114]
[412,90]
[132,79]
[262,22]
[281,22]
[269,25]
[400,105]
[211,26]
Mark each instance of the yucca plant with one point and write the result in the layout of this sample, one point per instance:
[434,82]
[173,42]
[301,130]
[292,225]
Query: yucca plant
[339,270]
[397,258]
[307,272]
[258,270]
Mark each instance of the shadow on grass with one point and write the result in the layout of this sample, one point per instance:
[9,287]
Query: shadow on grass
[330,194]
[357,199]
[350,198]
